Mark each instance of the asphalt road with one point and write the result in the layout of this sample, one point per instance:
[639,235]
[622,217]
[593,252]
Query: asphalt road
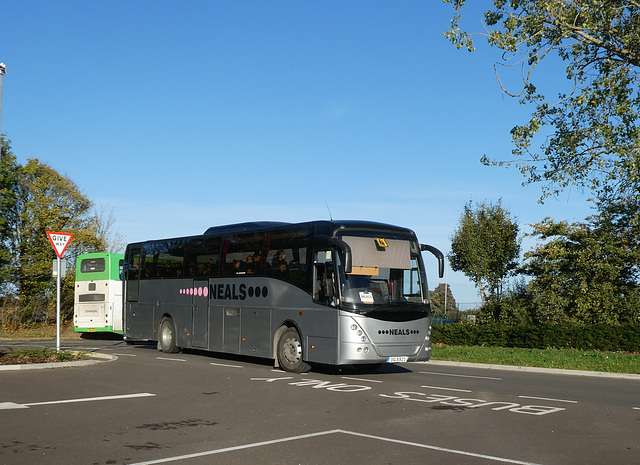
[191,408]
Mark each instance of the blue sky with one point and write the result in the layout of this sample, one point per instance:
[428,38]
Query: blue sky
[180,115]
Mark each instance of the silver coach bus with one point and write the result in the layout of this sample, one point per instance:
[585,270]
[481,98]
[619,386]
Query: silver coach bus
[330,292]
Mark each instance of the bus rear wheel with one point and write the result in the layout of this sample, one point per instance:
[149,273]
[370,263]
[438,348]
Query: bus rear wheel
[167,340]
[290,352]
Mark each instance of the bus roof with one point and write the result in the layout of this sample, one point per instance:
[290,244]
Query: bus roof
[100,255]
[245,227]
[329,225]
[326,227]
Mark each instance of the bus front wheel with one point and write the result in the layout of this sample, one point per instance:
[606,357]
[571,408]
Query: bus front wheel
[290,352]
[167,340]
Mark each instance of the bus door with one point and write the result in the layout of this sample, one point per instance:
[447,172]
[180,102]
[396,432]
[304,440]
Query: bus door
[138,317]
[200,312]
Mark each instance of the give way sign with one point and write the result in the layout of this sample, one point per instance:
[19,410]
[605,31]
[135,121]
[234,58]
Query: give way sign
[60,241]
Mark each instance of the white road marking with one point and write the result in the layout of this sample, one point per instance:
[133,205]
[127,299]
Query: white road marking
[234,448]
[278,370]
[441,449]
[11,405]
[362,379]
[446,389]
[458,376]
[335,431]
[171,359]
[226,365]
[125,355]
[549,399]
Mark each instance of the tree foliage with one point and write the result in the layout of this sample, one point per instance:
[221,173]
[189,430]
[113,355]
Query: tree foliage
[590,133]
[8,200]
[586,272]
[438,306]
[486,247]
[35,199]
[47,201]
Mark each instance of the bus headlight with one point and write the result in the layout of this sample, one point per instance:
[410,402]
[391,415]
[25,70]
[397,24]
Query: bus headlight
[360,334]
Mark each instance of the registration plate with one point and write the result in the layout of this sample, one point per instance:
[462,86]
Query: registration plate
[397,359]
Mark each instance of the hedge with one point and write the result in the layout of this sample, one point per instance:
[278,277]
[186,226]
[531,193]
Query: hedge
[623,338]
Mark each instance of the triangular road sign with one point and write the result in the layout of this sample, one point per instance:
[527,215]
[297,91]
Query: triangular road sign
[60,241]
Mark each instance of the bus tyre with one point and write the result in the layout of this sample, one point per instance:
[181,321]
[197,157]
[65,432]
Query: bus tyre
[167,340]
[290,352]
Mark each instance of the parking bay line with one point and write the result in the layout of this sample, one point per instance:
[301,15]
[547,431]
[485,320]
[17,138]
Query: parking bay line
[225,365]
[12,405]
[335,431]
[362,379]
[446,389]
[549,399]
[458,376]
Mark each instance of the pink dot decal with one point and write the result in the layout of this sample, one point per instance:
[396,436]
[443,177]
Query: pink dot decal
[199,291]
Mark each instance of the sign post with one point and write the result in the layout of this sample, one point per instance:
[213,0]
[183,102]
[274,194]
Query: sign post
[60,242]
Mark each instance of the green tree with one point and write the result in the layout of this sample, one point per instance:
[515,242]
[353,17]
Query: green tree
[438,302]
[8,201]
[486,248]
[589,134]
[45,201]
[514,309]
[585,272]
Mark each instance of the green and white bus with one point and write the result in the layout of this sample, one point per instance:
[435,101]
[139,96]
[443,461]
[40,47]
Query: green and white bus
[329,292]
[98,293]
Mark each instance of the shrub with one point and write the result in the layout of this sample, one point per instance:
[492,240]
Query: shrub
[621,338]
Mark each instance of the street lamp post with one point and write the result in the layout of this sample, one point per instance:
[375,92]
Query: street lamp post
[3,71]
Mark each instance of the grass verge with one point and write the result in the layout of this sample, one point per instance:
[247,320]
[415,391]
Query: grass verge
[569,359]
[40,331]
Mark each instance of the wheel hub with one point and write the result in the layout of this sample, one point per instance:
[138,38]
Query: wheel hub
[292,350]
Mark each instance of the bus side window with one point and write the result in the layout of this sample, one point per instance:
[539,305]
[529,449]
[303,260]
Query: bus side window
[242,254]
[133,265]
[288,255]
[202,257]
